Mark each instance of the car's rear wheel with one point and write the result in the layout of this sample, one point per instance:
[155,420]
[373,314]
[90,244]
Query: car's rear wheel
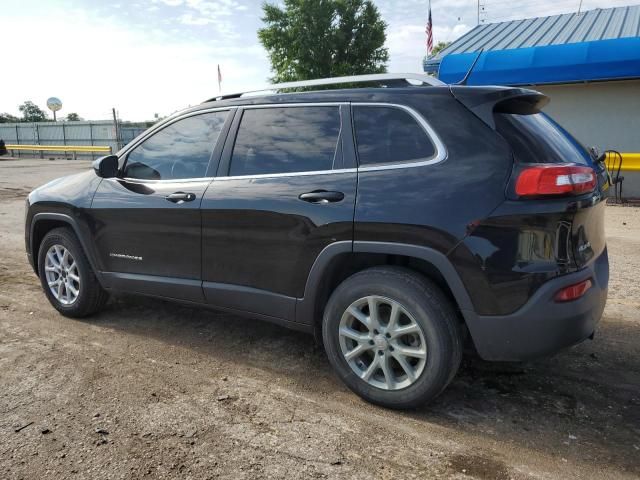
[392,336]
[66,276]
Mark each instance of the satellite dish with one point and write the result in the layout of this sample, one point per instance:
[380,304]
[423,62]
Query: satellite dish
[54,104]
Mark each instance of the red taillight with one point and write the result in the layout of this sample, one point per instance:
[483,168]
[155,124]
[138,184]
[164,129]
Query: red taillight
[555,180]
[573,292]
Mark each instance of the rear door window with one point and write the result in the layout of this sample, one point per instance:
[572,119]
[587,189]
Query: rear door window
[286,140]
[538,139]
[389,135]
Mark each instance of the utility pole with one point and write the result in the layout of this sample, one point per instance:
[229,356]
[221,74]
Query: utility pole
[481,11]
[116,127]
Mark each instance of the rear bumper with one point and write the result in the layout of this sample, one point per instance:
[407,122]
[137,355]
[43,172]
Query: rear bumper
[543,326]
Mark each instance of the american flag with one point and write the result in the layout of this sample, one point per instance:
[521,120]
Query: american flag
[429,32]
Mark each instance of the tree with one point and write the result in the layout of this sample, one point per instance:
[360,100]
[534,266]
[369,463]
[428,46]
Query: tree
[31,112]
[73,117]
[323,38]
[8,118]
[439,47]
[433,70]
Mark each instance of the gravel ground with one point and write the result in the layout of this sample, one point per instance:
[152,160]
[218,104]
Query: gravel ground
[152,389]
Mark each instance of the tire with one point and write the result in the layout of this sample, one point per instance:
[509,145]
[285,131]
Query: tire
[90,296]
[425,311]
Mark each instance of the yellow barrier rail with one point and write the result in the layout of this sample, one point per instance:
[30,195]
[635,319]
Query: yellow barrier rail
[61,148]
[630,162]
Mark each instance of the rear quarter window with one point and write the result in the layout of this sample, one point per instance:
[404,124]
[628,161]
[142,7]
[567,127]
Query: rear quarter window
[389,135]
[538,139]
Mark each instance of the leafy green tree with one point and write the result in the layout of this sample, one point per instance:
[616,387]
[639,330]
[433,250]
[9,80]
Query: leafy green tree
[436,50]
[73,117]
[323,38]
[8,118]
[439,47]
[31,112]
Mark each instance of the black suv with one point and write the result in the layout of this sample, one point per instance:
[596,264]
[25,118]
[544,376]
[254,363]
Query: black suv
[399,222]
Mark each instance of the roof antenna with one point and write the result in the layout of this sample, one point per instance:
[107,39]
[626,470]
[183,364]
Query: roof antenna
[468,74]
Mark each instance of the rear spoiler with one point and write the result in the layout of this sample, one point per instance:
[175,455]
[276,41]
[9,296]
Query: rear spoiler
[485,101]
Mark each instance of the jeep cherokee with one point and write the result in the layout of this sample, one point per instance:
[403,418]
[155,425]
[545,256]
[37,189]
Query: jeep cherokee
[398,219]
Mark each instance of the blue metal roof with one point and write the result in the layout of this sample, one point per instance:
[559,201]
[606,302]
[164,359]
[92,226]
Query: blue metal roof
[595,45]
[576,62]
[589,26]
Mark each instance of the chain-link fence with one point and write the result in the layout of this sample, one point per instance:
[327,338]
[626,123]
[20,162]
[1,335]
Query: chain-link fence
[101,133]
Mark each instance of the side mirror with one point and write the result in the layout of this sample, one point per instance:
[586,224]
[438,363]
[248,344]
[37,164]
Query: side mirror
[106,167]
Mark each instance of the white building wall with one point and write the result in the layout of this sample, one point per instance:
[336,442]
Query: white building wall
[601,114]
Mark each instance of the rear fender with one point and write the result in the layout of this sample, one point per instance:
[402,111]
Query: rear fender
[305,307]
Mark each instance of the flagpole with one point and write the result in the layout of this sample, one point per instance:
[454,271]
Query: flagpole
[429,31]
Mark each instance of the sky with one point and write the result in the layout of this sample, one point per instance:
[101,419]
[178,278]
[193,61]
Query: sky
[147,57]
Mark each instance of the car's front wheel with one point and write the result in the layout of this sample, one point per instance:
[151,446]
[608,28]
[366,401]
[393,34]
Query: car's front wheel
[392,336]
[66,276]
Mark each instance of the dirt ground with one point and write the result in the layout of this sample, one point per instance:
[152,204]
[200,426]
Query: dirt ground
[152,389]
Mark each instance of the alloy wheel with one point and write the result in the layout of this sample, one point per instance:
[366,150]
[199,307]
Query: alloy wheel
[62,275]
[382,343]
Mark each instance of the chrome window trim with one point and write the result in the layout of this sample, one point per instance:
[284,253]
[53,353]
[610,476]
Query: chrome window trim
[161,126]
[439,155]
[290,174]
[149,181]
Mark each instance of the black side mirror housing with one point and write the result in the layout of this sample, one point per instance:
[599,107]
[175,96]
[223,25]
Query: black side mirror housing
[106,167]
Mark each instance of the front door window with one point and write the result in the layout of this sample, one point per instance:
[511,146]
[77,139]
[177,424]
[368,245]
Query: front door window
[180,150]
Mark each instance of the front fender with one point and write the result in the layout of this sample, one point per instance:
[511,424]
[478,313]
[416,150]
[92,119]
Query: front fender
[55,220]
[63,201]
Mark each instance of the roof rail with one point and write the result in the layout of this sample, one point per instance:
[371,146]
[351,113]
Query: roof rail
[376,77]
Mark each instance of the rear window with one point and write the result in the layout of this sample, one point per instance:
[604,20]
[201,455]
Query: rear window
[538,139]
